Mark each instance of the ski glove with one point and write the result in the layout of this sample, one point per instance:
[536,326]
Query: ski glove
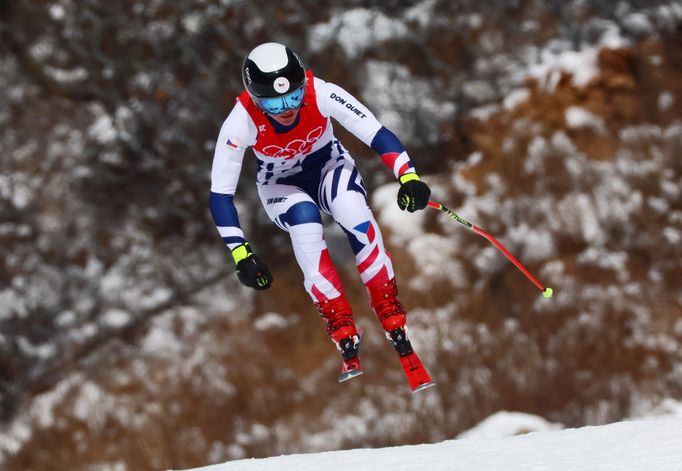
[251,271]
[413,194]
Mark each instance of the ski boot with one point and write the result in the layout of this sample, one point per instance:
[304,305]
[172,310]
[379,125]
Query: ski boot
[341,329]
[391,314]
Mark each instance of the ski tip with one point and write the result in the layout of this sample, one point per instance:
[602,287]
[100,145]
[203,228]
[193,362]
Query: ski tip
[348,375]
[423,387]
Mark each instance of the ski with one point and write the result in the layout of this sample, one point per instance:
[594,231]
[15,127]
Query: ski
[351,369]
[417,376]
[350,349]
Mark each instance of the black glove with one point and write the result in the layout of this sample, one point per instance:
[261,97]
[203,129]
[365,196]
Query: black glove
[251,271]
[413,194]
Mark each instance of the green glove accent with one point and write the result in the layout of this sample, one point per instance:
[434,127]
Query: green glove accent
[241,252]
[407,177]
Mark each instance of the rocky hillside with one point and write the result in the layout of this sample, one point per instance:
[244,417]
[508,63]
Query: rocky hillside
[125,340]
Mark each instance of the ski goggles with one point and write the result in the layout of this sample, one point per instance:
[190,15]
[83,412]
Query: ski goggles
[280,104]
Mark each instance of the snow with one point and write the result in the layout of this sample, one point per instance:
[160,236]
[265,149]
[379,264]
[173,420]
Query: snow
[559,56]
[515,98]
[403,226]
[116,318]
[193,22]
[507,424]
[582,64]
[271,321]
[665,101]
[103,130]
[479,91]
[355,30]
[66,76]
[672,235]
[57,12]
[579,118]
[637,445]
[390,88]
[392,92]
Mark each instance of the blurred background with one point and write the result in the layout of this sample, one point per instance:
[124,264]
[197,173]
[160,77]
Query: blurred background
[126,342]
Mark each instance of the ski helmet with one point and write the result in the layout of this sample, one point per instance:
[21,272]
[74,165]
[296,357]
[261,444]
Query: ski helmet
[274,76]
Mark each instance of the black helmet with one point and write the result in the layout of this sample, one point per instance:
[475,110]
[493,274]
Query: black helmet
[272,70]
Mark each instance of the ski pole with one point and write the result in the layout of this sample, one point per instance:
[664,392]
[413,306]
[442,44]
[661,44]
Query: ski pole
[546,291]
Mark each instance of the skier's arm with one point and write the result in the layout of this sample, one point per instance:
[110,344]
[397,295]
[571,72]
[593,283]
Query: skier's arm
[337,103]
[227,165]
[236,133]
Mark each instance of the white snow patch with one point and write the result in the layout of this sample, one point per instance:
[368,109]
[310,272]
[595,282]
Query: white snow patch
[404,226]
[577,213]
[508,424]
[271,320]
[43,407]
[435,255]
[89,399]
[538,244]
[536,153]
[672,235]
[558,56]
[666,409]
[580,118]
[57,12]
[116,318]
[76,74]
[156,297]
[395,96]
[193,22]
[665,101]
[515,98]
[42,49]
[614,261]
[421,13]
[638,23]
[482,113]
[462,184]
[42,350]
[103,130]
[161,339]
[581,64]
[355,30]
[478,91]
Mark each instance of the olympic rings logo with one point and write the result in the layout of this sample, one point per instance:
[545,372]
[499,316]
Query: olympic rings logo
[295,147]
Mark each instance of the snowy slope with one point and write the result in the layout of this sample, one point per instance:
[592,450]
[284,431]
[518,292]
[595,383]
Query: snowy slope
[652,444]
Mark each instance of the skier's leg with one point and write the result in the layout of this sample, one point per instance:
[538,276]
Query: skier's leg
[294,211]
[344,196]
[347,203]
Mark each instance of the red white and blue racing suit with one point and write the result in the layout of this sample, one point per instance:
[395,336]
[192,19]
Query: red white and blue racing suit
[303,169]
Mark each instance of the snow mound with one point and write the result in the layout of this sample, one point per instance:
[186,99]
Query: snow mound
[508,424]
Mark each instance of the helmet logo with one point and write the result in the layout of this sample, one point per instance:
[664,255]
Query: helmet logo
[281,84]
[248,75]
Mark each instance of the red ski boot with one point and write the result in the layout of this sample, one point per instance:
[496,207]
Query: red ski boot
[391,314]
[341,328]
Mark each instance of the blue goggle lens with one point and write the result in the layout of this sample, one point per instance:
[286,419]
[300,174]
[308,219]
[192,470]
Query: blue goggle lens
[280,104]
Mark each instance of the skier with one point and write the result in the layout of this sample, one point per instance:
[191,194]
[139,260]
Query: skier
[284,116]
